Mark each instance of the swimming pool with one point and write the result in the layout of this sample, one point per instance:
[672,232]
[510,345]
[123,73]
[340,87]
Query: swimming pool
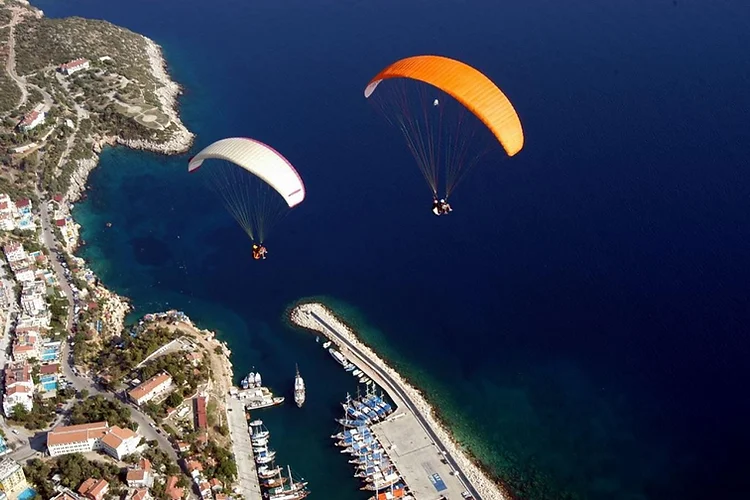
[26,494]
[50,385]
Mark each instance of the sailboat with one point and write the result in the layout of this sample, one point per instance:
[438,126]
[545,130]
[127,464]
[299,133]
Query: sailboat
[288,491]
[299,389]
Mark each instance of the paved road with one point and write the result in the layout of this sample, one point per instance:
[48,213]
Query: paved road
[247,476]
[395,387]
[146,424]
[10,63]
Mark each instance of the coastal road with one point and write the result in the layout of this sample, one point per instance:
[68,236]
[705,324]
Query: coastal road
[10,63]
[396,388]
[146,425]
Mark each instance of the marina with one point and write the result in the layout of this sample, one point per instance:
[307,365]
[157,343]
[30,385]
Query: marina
[399,452]
[271,476]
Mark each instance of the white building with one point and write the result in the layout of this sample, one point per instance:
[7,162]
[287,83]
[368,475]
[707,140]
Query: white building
[6,294]
[26,345]
[8,213]
[12,478]
[14,252]
[151,388]
[140,476]
[76,65]
[19,387]
[119,442]
[33,118]
[25,274]
[114,441]
[33,298]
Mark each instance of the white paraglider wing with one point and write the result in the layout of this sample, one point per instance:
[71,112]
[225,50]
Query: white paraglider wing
[260,160]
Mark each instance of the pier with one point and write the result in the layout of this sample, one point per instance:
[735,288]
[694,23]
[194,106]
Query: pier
[415,448]
[247,476]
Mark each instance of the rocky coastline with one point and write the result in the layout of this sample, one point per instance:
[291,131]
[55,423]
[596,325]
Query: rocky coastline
[486,487]
[179,142]
[117,307]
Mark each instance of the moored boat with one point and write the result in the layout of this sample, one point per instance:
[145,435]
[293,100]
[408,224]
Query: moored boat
[299,389]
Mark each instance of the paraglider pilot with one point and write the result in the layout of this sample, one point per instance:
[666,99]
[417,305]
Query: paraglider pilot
[259,251]
[441,207]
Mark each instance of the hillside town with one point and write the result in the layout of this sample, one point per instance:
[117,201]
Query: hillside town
[92,409]
[140,409]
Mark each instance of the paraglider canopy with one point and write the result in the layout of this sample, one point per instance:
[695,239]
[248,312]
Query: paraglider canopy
[260,160]
[258,185]
[468,86]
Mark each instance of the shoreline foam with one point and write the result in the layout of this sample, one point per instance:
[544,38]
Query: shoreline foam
[479,478]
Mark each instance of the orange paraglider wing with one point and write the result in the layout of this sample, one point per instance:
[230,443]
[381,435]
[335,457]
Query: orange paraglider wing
[468,86]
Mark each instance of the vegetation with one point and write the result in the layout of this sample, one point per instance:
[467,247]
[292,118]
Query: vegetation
[10,94]
[42,414]
[185,375]
[97,409]
[73,470]
[159,459]
[122,355]
[225,468]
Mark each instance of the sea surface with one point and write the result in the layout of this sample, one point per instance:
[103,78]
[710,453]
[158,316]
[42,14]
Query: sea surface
[581,317]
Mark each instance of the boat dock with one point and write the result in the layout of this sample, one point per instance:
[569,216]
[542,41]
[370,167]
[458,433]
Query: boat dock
[247,476]
[429,472]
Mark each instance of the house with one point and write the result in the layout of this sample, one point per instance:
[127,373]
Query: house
[140,476]
[182,446]
[194,358]
[50,369]
[205,490]
[94,489]
[7,221]
[200,413]
[32,119]
[216,485]
[33,298]
[19,387]
[24,206]
[76,65]
[151,388]
[14,252]
[6,295]
[118,442]
[8,213]
[194,468]
[140,494]
[12,478]
[25,274]
[65,494]
[171,489]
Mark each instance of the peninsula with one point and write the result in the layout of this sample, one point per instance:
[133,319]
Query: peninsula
[152,397]
[412,425]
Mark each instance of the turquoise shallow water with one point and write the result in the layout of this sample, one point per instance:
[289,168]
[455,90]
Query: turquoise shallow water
[558,316]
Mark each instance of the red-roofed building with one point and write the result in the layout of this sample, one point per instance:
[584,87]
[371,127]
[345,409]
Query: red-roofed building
[50,369]
[58,198]
[32,119]
[23,202]
[76,65]
[94,489]
[200,413]
[60,222]
[173,491]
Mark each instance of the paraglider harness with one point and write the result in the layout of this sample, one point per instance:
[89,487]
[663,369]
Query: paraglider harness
[259,251]
[441,207]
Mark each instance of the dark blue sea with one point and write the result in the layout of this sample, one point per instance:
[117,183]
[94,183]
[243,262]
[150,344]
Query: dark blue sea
[581,318]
